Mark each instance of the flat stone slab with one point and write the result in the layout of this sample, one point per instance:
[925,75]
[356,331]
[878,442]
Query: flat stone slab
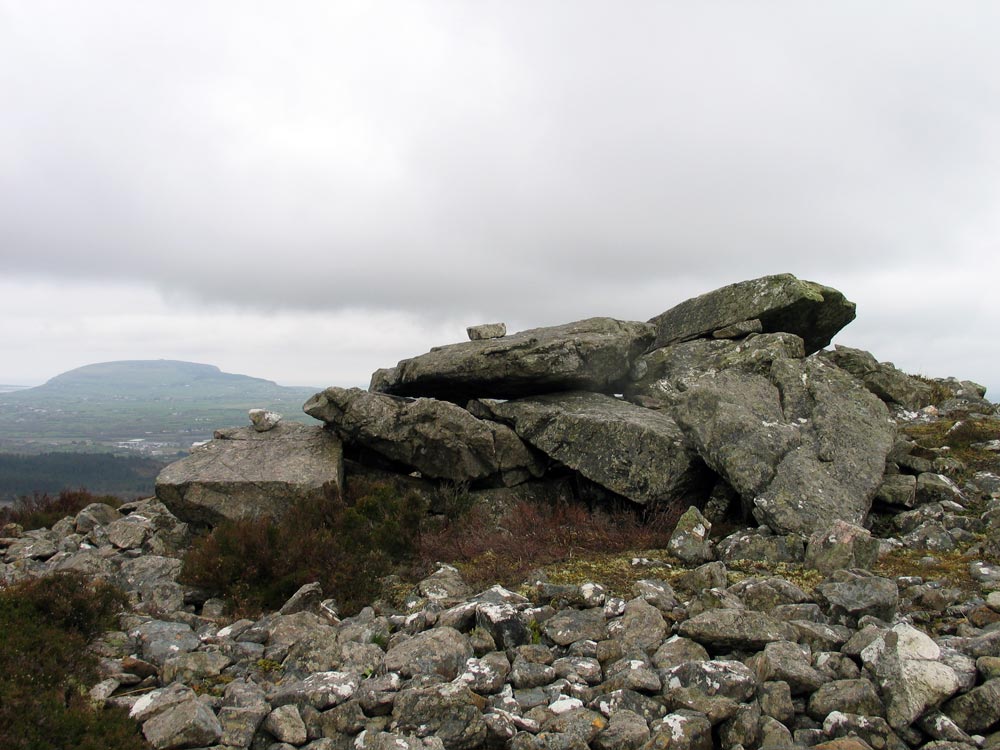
[244,474]
[781,303]
[638,453]
[593,355]
[437,438]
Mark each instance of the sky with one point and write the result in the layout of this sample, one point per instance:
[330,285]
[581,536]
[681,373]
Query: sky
[307,191]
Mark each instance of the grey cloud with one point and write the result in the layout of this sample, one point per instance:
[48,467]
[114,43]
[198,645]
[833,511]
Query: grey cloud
[525,157]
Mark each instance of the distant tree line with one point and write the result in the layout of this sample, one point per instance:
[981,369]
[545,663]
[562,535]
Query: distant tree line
[123,476]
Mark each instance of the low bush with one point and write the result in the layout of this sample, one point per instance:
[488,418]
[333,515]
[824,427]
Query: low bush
[42,510]
[347,544]
[45,666]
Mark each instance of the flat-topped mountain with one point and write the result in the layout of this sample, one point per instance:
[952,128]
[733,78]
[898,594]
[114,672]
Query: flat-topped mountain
[166,404]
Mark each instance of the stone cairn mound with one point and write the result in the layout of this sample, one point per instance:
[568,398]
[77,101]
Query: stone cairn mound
[725,405]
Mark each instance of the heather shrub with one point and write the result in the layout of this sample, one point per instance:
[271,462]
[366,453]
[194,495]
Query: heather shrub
[45,626]
[40,510]
[347,544]
[534,534]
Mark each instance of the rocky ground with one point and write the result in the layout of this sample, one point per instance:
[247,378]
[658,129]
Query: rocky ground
[859,607]
[760,640]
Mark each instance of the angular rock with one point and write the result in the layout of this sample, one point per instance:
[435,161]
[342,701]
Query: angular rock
[857,696]
[321,690]
[841,545]
[593,355]
[635,452]
[285,724]
[571,625]
[448,712]
[248,474]
[850,595]
[978,710]
[681,730]
[772,424]
[437,438]
[882,378]
[643,627]
[781,303]
[486,331]
[905,663]
[263,420]
[897,489]
[443,651]
[689,540]
[722,629]
[187,724]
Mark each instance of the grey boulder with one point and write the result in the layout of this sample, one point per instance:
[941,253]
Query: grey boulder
[593,354]
[882,378]
[773,424]
[781,303]
[635,452]
[437,438]
[248,474]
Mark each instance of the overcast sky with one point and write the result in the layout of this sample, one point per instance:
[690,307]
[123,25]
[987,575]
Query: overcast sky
[307,191]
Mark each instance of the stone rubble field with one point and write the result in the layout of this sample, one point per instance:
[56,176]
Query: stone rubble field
[724,407]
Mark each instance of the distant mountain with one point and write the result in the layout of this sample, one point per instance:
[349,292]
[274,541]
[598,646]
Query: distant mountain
[150,406]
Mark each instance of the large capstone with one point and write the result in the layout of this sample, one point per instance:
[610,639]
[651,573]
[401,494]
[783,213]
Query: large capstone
[781,303]
[243,474]
[637,453]
[593,354]
[437,438]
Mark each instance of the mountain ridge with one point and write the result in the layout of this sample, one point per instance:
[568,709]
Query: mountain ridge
[160,404]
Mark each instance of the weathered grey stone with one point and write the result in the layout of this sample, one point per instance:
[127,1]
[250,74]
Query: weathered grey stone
[187,724]
[487,674]
[789,663]
[570,625]
[593,355]
[196,666]
[95,514]
[681,730]
[776,700]
[442,651]
[159,640]
[905,664]
[263,420]
[873,731]
[850,595]
[486,331]
[755,544]
[448,712]
[526,674]
[841,545]
[643,627]
[739,330]
[857,696]
[503,623]
[772,425]
[249,474]
[882,378]
[243,709]
[285,724]
[977,710]
[721,629]
[626,730]
[935,488]
[781,303]
[601,437]
[689,540]
[897,489]
[437,438]
[834,472]
[321,690]
[677,650]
